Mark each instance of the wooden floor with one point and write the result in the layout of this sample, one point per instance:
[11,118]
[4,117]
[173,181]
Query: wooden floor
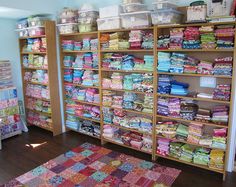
[18,157]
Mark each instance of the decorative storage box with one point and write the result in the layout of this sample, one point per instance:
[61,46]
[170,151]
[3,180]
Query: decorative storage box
[166,16]
[110,11]
[196,13]
[67,28]
[163,5]
[134,7]
[136,20]
[109,23]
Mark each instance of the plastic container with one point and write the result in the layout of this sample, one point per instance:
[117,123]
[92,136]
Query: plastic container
[132,1]
[109,23]
[36,31]
[136,20]
[110,11]
[166,16]
[87,27]
[196,13]
[163,5]
[85,14]
[134,7]
[23,32]
[68,15]
[37,21]
[67,28]
[22,24]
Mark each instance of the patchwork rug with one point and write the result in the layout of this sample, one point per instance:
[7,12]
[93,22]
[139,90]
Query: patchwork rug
[89,165]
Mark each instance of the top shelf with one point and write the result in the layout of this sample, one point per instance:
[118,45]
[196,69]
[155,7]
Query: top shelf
[125,30]
[27,37]
[80,33]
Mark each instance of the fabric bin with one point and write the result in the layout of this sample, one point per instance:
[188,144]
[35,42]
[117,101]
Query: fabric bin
[166,16]
[136,20]
[109,23]
[110,11]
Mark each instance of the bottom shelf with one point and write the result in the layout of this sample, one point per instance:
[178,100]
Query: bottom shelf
[11,134]
[42,127]
[83,133]
[123,145]
[192,164]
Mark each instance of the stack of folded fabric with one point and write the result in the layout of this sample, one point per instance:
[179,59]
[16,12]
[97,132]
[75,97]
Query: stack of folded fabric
[135,39]
[148,40]
[179,88]
[115,38]
[220,114]
[177,63]
[219,138]
[205,68]
[67,45]
[163,108]
[149,61]
[148,104]
[176,38]
[225,36]
[175,149]
[128,100]
[77,76]
[164,84]
[167,129]
[138,64]
[128,63]
[203,115]
[68,61]
[79,61]
[216,159]
[222,92]
[147,84]
[190,65]
[206,140]
[117,81]
[87,78]
[128,82]
[205,95]
[182,132]
[107,115]
[163,42]
[164,62]
[89,127]
[94,44]
[104,40]
[201,156]
[174,107]
[187,153]
[194,133]
[88,60]
[163,146]
[208,40]
[78,46]
[72,122]
[95,60]
[109,131]
[223,66]
[188,109]
[116,61]
[68,75]
[191,38]
[117,101]
[86,44]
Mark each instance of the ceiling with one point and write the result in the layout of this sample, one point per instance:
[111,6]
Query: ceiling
[13,13]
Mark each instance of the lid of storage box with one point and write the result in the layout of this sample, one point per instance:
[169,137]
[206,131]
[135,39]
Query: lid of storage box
[103,19]
[66,24]
[167,10]
[87,8]
[134,13]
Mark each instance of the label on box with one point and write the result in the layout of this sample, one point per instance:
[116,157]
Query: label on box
[208,82]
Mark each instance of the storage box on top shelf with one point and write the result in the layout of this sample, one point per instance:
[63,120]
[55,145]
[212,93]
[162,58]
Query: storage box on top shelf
[197,12]
[110,11]
[163,5]
[134,7]
[131,1]
[136,19]
[109,23]
[166,16]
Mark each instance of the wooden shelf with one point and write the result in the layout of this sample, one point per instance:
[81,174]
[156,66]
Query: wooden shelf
[191,164]
[131,91]
[128,71]
[80,34]
[79,85]
[194,75]
[189,121]
[131,111]
[52,70]
[125,30]
[92,69]
[126,50]
[82,132]
[38,112]
[84,118]
[41,99]
[195,50]
[27,37]
[123,145]
[84,102]
[82,51]
[194,98]
[186,142]
[130,129]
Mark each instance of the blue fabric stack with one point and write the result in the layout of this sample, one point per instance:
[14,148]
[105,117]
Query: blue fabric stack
[164,84]
[179,88]
[164,62]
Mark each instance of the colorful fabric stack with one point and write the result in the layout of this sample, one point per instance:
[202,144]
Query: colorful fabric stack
[167,129]
[187,153]
[68,45]
[148,104]
[163,106]
[219,138]
[182,132]
[79,61]
[225,37]
[163,146]
[68,61]
[216,159]
[176,38]
[188,109]
[104,40]
[148,40]
[128,100]
[179,88]
[86,44]
[203,115]
[115,38]
[205,140]
[194,133]
[164,84]
[191,38]
[116,81]
[78,46]
[163,42]
[88,60]
[127,63]
[175,149]
[109,131]
[94,44]
[208,40]
[177,63]
[164,62]
[89,78]
[90,128]
[68,75]
[174,107]
[201,156]
[107,115]
[223,66]
[222,92]
[220,114]
[135,39]
[205,68]
[149,61]
[191,65]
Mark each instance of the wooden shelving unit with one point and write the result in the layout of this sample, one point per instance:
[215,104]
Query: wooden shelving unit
[202,54]
[50,34]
